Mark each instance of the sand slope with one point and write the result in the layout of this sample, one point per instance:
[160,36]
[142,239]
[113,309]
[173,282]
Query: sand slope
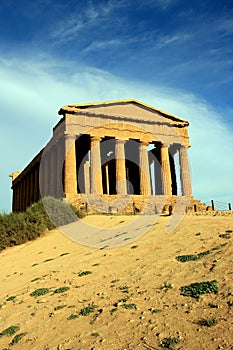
[136,290]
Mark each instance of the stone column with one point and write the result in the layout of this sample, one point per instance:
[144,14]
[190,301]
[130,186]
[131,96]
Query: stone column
[32,186]
[70,176]
[121,187]
[53,171]
[145,182]
[36,177]
[60,146]
[166,170]
[86,169]
[185,179]
[96,171]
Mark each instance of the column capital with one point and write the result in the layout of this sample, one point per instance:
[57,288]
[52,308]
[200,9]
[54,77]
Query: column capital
[144,143]
[165,145]
[95,138]
[122,141]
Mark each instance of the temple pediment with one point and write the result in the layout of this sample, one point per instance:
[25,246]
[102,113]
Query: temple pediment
[130,109]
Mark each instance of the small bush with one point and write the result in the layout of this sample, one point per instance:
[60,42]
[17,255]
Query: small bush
[9,331]
[39,291]
[210,322]
[11,298]
[195,290]
[72,317]
[168,343]
[129,306]
[17,338]
[225,235]
[61,290]
[184,258]
[84,273]
[87,310]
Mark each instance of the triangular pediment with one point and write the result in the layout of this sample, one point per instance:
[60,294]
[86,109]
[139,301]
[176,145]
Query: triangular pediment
[128,109]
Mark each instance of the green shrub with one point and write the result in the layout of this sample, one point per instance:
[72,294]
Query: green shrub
[47,213]
[129,306]
[72,317]
[168,343]
[84,273]
[184,258]
[17,338]
[9,331]
[87,310]
[39,291]
[61,290]
[194,290]
[209,322]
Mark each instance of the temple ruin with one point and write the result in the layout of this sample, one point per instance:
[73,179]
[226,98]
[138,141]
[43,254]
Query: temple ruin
[110,156]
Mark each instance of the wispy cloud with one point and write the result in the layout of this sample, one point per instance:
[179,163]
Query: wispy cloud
[84,19]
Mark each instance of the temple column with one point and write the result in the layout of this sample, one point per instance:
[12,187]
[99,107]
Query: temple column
[60,145]
[166,170]
[121,187]
[36,177]
[185,179]
[53,171]
[70,176]
[145,182]
[86,169]
[32,186]
[95,160]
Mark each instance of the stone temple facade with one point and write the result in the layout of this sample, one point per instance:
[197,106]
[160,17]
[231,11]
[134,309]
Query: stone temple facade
[113,156]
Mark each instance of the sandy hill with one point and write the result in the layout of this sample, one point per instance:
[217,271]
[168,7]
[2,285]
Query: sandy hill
[58,294]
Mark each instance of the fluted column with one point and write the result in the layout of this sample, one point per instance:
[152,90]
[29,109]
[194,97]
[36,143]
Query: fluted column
[185,179]
[70,176]
[36,177]
[60,146]
[121,187]
[166,171]
[145,182]
[86,169]
[53,171]
[95,160]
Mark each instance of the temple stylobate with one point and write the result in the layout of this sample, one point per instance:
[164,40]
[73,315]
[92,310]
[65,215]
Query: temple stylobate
[119,155]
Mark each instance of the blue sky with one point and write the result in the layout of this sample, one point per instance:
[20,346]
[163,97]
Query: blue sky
[173,54]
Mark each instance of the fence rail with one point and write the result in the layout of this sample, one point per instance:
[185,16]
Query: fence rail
[217,205]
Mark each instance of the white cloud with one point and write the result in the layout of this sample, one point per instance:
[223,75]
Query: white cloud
[31,97]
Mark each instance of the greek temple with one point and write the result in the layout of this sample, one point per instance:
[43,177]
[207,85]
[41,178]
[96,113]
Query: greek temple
[110,156]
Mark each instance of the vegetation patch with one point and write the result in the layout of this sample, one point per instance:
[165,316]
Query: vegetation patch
[12,297]
[195,290]
[129,306]
[39,291]
[168,343]
[209,322]
[18,228]
[84,273]
[9,331]
[225,235]
[95,334]
[72,317]
[124,289]
[59,307]
[17,338]
[155,311]
[134,247]
[87,310]
[61,290]
[184,258]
